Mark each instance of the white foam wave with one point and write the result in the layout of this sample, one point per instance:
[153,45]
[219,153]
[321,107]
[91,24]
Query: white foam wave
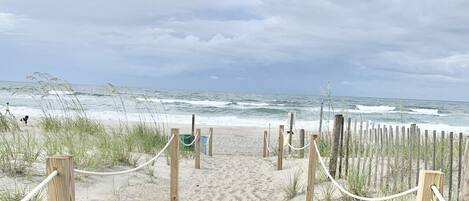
[252,104]
[58,92]
[425,111]
[380,108]
[191,102]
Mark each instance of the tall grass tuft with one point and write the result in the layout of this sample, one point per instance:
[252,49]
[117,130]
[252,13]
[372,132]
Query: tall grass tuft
[18,151]
[294,186]
[18,193]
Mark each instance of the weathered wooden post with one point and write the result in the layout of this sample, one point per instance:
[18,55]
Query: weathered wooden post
[193,125]
[313,157]
[174,164]
[347,144]
[264,149]
[427,179]
[62,186]
[302,143]
[464,193]
[338,122]
[280,148]
[197,149]
[290,131]
[450,184]
[210,143]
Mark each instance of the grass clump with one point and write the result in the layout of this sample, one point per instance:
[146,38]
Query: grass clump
[18,151]
[8,123]
[357,184]
[18,193]
[293,187]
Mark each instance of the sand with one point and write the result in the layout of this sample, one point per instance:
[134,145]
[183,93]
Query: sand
[237,171]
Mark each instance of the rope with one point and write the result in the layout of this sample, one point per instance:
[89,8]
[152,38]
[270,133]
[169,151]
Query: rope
[190,144]
[353,195]
[130,170]
[437,193]
[31,194]
[297,149]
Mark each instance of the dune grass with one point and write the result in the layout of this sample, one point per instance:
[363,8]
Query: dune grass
[18,151]
[294,185]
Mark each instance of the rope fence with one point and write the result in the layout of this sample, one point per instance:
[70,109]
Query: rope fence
[40,186]
[428,186]
[130,170]
[60,170]
[437,193]
[343,190]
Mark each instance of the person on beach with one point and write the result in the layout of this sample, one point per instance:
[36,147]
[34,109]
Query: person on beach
[25,120]
[7,109]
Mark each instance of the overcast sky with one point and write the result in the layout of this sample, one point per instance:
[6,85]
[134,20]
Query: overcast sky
[385,48]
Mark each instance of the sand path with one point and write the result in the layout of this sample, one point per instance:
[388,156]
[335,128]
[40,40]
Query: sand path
[225,177]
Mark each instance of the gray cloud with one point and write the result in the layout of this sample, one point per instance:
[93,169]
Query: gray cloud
[393,40]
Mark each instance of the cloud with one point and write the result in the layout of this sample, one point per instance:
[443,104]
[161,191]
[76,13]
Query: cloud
[214,77]
[7,22]
[329,39]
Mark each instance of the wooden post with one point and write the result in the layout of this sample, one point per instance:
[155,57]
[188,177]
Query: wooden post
[442,150]
[302,142]
[397,150]
[313,157]
[197,149]
[464,193]
[347,144]
[264,149]
[425,150]
[210,143]
[290,131]
[280,148]
[427,179]
[460,144]
[174,165]
[339,119]
[413,131]
[418,157]
[434,150]
[341,148]
[62,186]
[193,124]
[451,146]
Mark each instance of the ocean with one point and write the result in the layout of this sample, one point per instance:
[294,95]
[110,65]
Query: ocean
[239,109]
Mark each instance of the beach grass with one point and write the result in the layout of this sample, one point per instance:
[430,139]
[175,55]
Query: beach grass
[294,185]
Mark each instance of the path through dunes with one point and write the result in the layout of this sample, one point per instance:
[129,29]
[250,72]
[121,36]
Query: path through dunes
[231,178]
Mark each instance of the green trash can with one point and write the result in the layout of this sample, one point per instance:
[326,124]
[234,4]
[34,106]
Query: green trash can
[186,139]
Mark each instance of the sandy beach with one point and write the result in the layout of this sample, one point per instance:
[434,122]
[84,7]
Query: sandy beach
[236,171]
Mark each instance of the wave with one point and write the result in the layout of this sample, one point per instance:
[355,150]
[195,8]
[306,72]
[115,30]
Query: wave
[380,108]
[191,102]
[252,104]
[58,92]
[425,111]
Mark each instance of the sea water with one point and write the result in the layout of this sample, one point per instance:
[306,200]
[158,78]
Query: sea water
[238,109]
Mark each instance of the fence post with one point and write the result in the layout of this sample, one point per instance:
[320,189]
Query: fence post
[464,193]
[338,122]
[347,144]
[197,149]
[313,157]
[280,148]
[264,149]
[290,132]
[210,131]
[427,179]
[174,165]
[62,186]
[193,124]
[302,142]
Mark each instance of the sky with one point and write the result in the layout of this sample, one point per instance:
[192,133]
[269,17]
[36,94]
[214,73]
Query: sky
[382,48]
